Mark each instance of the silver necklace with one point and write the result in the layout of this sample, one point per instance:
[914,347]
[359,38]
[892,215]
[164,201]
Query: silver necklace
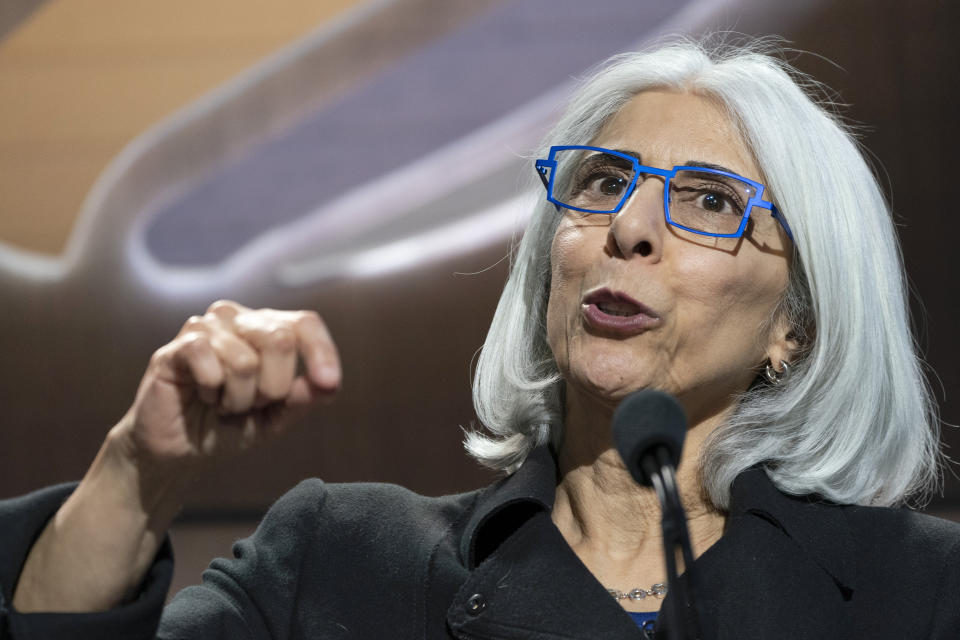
[637,594]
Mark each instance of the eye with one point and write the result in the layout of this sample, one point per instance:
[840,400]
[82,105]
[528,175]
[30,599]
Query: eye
[608,185]
[717,203]
[598,182]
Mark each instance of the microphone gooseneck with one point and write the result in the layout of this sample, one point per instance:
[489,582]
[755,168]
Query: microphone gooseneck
[648,430]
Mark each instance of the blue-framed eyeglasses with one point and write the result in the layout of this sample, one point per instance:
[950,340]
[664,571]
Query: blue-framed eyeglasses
[699,199]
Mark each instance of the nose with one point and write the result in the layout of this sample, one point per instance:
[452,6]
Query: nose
[638,228]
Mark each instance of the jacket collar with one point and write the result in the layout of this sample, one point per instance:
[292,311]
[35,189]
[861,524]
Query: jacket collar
[816,525]
[536,582]
[503,507]
[524,580]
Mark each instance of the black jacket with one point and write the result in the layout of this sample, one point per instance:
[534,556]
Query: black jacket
[377,561]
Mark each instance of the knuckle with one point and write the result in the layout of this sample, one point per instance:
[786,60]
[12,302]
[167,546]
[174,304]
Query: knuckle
[161,355]
[280,338]
[245,364]
[225,310]
[194,342]
[193,323]
[222,305]
[308,318]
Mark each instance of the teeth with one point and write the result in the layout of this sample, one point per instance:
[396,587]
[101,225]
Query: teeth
[616,309]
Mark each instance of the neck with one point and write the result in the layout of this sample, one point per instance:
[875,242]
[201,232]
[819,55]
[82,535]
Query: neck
[612,523]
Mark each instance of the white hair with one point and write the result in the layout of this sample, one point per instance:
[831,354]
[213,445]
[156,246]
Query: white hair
[855,422]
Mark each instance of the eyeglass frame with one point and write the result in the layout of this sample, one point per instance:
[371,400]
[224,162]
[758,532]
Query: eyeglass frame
[549,163]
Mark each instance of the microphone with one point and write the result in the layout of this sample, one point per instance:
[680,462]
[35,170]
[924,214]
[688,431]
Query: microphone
[648,430]
[644,421]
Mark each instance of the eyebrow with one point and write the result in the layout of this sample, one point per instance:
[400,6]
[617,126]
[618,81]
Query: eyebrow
[688,163]
[709,165]
[631,152]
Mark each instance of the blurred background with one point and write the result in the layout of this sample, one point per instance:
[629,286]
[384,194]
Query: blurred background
[367,159]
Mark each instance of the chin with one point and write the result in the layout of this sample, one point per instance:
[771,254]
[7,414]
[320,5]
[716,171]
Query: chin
[607,388]
[611,370]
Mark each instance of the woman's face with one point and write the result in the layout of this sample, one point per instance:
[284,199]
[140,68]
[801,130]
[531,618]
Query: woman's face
[705,327]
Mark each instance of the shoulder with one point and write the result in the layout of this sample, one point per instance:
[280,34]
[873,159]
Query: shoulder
[323,537]
[355,502]
[326,515]
[914,554]
[314,558]
[904,530]
[908,565]
[881,572]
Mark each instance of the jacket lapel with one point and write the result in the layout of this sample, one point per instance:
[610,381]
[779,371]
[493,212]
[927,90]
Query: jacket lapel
[783,568]
[534,586]
[524,580]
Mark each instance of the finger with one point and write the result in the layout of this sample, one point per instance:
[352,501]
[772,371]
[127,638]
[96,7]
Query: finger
[240,363]
[190,360]
[193,354]
[241,431]
[318,350]
[277,347]
[196,324]
[226,310]
[304,393]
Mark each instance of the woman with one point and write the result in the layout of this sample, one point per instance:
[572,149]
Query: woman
[707,230]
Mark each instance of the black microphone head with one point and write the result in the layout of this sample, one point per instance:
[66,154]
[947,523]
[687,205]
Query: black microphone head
[643,421]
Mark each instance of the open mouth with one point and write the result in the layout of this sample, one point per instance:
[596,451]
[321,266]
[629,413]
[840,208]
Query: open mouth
[618,308]
[616,313]
[617,303]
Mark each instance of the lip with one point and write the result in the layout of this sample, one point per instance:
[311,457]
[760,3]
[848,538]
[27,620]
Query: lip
[636,323]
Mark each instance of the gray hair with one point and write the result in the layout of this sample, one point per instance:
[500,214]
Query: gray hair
[855,422]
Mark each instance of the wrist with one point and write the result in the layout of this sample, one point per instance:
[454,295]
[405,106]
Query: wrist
[96,549]
[128,480]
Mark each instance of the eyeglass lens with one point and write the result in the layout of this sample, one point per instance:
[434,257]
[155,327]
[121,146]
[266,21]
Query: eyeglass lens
[700,200]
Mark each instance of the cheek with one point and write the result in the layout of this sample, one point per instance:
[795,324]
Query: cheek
[567,266]
[703,280]
[730,300]
[556,334]
[567,252]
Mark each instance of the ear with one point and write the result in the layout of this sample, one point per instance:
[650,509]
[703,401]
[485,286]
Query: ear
[782,345]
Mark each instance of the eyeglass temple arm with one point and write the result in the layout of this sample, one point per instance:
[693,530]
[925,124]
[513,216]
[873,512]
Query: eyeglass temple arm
[542,167]
[779,217]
